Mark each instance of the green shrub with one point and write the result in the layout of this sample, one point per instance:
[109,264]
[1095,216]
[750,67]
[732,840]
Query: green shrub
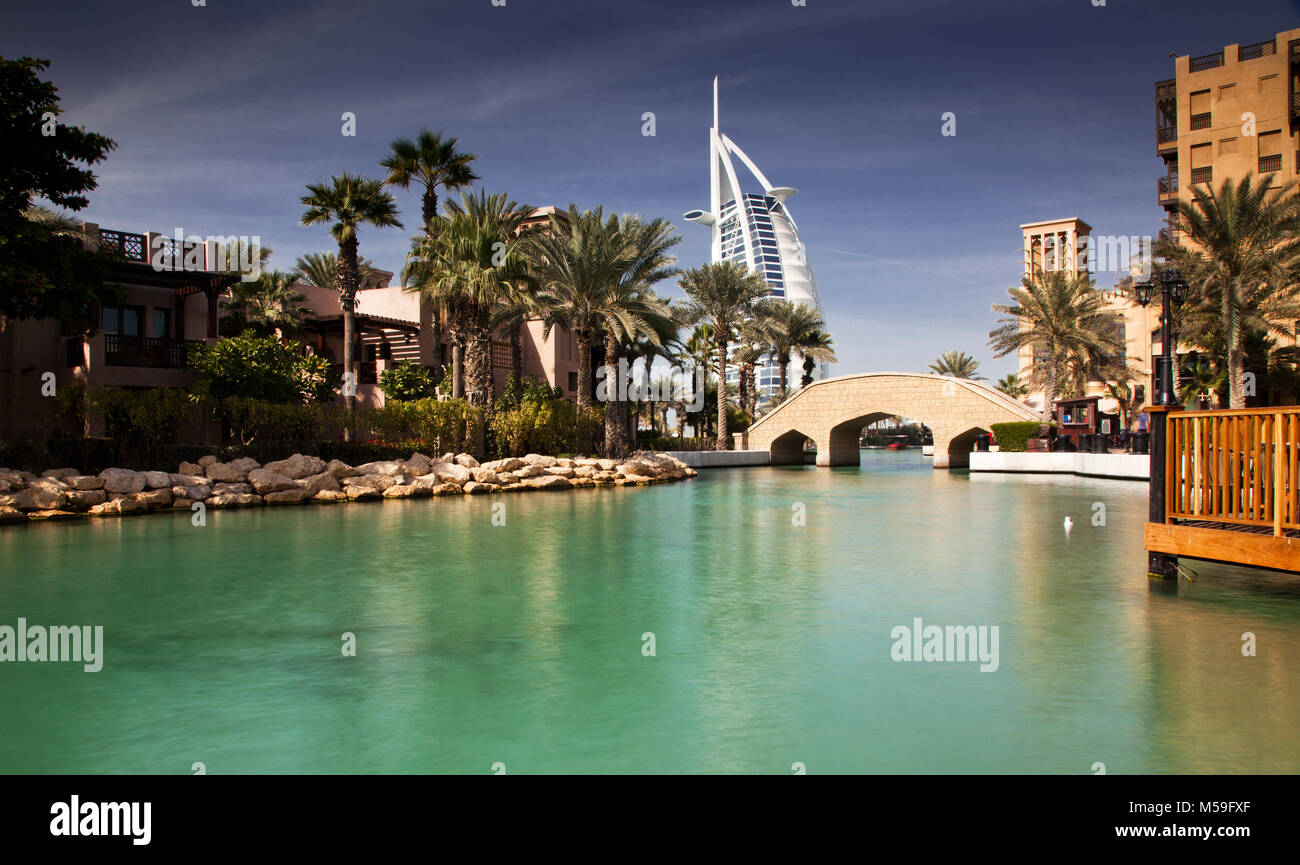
[251,420]
[437,425]
[261,368]
[1011,437]
[553,426]
[406,382]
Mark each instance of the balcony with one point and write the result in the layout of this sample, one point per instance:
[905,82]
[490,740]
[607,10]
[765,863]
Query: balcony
[123,350]
[129,246]
[1270,164]
[1207,61]
[1201,121]
[1259,49]
[1166,114]
[1167,188]
[1203,175]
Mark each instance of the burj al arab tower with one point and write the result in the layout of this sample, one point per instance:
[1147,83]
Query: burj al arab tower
[757,230]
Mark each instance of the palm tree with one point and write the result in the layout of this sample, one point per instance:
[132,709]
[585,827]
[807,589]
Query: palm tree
[432,163]
[723,294]
[1059,317]
[957,364]
[793,328]
[474,262]
[1011,385]
[321,269]
[348,201]
[268,304]
[1201,383]
[816,347]
[1241,258]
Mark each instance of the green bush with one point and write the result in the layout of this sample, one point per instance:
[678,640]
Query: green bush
[260,368]
[406,382]
[254,420]
[1011,437]
[437,425]
[553,426]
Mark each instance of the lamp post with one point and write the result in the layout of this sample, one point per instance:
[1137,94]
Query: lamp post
[1173,288]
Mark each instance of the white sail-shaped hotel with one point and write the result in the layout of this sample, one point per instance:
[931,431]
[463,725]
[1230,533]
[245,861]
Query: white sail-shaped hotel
[757,230]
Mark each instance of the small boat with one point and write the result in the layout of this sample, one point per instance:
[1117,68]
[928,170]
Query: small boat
[898,444]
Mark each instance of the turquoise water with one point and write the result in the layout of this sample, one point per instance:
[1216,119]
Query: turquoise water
[523,644]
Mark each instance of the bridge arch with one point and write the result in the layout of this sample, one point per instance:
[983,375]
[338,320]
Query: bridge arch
[833,411]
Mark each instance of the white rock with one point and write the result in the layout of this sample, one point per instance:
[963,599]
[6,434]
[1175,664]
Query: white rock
[122,480]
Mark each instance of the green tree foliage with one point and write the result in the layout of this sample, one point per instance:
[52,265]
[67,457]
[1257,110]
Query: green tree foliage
[406,381]
[262,368]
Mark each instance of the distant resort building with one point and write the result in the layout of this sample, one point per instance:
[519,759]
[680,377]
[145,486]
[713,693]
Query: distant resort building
[757,230]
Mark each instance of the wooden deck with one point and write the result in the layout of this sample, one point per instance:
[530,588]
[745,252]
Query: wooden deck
[1230,488]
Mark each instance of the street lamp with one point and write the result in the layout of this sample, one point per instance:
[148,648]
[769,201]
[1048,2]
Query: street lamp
[1173,288]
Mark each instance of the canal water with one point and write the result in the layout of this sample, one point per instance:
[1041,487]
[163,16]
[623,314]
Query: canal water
[740,622]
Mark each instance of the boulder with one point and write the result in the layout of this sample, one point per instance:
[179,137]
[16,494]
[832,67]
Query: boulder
[330,496]
[539,460]
[11,477]
[157,480]
[297,495]
[10,515]
[484,475]
[35,497]
[507,477]
[266,481]
[340,469]
[181,504]
[375,482]
[467,461]
[508,464]
[244,464]
[418,465]
[451,473]
[233,500]
[231,489]
[122,480]
[84,482]
[584,471]
[446,490]
[401,491]
[155,498]
[634,479]
[52,515]
[206,461]
[560,471]
[296,467]
[180,480]
[381,467]
[225,473]
[582,482]
[190,468]
[476,488]
[607,465]
[117,507]
[564,462]
[547,482]
[60,474]
[323,481]
[585,461]
[85,499]
[357,494]
[529,471]
[5,486]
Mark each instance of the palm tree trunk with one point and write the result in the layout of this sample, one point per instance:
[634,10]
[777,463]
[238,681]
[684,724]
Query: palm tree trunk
[616,446]
[348,280]
[1236,366]
[722,392]
[583,337]
[457,371]
[1049,389]
[783,360]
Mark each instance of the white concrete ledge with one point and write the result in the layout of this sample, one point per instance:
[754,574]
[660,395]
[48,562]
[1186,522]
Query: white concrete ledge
[1135,467]
[721,459]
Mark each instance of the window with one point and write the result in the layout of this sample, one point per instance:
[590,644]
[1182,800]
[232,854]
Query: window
[501,355]
[1226,90]
[1228,146]
[573,382]
[1270,151]
[123,320]
[161,323]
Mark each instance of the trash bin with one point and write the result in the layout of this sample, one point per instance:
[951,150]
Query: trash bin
[1100,443]
[983,442]
[1142,443]
[1084,442]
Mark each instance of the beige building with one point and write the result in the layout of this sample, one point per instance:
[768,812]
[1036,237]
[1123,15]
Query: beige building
[1067,244]
[1227,114]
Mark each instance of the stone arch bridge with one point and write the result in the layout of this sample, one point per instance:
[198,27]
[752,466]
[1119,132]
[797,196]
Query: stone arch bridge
[833,411]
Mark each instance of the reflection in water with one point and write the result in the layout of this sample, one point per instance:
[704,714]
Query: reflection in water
[523,643]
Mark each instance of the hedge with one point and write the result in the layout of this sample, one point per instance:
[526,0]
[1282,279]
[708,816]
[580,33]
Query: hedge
[439,425]
[554,426]
[1011,437]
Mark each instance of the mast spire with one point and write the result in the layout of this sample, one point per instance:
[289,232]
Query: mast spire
[715,102]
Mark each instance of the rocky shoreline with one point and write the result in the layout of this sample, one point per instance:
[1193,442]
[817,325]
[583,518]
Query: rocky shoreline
[67,493]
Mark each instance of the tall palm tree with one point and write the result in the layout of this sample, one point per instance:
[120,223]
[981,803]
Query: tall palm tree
[432,163]
[723,294]
[957,364]
[1241,258]
[474,262]
[816,347]
[793,329]
[349,201]
[1201,383]
[321,269]
[1059,317]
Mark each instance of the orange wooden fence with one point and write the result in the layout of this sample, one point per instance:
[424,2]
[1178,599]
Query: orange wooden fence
[1236,467]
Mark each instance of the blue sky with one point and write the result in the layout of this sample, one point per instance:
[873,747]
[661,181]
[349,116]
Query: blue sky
[223,112]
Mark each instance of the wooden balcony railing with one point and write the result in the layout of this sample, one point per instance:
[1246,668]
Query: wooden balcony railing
[1203,175]
[1270,164]
[124,350]
[1204,120]
[1234,467]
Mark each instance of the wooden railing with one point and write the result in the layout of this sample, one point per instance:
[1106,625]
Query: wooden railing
[1237,467]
